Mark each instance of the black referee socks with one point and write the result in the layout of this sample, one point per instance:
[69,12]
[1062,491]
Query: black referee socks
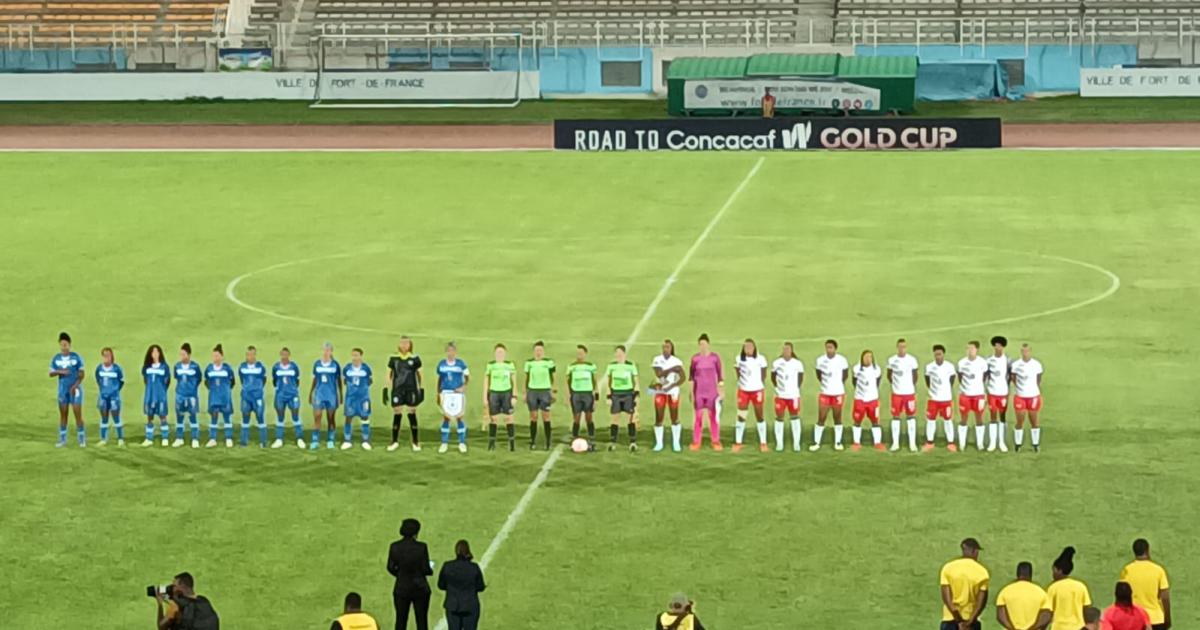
[412,426]
[396,420]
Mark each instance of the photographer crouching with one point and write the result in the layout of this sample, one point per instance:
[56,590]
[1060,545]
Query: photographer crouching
[180,608]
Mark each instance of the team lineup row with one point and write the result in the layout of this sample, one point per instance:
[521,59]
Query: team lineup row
[983,385]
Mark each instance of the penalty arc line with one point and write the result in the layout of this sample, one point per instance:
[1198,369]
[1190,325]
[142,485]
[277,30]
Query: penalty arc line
[514,517]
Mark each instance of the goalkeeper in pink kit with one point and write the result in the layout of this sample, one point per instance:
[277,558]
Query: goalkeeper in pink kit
[707,385]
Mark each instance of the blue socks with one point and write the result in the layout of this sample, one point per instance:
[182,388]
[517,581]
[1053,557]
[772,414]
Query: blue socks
[445,430]
[62,435]
[81,435]
[365,427]
[347,430]
[462,432]
[166,429]
[119,426]
[245,441]
[103,428]
[194,423]
[178,426]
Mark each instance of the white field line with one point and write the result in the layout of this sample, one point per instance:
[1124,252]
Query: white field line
[515,516]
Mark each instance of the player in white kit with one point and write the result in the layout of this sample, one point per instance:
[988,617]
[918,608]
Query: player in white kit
[668,370]
[866,400]
[972,369]
[832,369]
[902,369]
[1027,380]
[787,373]
[751,372]
[939,380]
[997,394]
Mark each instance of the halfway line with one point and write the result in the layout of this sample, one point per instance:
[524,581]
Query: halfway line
[511,522]
[687,256]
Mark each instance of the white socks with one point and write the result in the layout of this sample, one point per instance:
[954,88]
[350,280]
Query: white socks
[779,430]
[658,436]
[993,430]
[912,433]
[979,430]
[837,434]
[856,431]
[676,435]
[796,433]
[818,432]
[1035,435]
[762,431]
[948,427]
[739,430]
[876,434]
[930,431]
[895,433]
[1001,429]
[1019,436]
[962,437]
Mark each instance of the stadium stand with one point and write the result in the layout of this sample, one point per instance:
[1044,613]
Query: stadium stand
[48,23]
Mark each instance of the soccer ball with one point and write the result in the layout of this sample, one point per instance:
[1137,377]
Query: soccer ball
[579,445]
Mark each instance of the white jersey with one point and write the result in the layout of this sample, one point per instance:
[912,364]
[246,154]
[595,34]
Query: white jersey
[866,382]
[668,383]
[970,376]
[787,377]
[1026,375]
[997,384]
[831,371]
[940,380]
[750,372]
[903,369]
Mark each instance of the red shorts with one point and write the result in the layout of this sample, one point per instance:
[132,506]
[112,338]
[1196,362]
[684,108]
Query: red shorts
[869,410]
[662,400]
[744,398]
[1033,403]
[790,405]
[935,409]
[831,401]
[904,404]
[997,403]
[970,403]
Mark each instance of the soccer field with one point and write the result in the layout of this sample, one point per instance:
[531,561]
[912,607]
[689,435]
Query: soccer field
[272,249]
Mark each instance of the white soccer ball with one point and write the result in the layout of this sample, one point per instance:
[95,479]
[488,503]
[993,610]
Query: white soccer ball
[579,445]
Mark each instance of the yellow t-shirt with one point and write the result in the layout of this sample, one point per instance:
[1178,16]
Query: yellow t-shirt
[1147,578]
[966,579]
[1068,597]
[1023,600]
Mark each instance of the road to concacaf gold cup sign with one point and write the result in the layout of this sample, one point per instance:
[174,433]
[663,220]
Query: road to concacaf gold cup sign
[757,134]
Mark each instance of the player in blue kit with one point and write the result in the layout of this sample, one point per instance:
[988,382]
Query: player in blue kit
[188,375]
[110,378]
[253,376]
[156,374]
[325,394]
[68,367]
[285,377]
[219,379]
[453,377]
[357,376]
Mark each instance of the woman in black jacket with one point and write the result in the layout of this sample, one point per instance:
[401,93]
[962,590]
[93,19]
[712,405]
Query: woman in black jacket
[408,561]
[462,580]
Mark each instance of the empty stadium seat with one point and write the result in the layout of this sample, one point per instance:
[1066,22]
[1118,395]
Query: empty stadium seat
[52,23]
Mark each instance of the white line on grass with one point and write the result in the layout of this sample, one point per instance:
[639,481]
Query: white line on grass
[687,256]
[515,516]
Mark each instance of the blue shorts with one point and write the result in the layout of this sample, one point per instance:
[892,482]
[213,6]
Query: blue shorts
[220,406]
[323,404]
[187,404]
[110,403]
[358,407]
[252,405]
[155,408]
[287,402]
[66,398]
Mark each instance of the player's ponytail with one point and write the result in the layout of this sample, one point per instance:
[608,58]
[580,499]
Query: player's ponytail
[1065,562]
[219,349]
[186,347]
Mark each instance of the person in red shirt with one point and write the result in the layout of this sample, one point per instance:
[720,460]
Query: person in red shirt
[768,104]
[1123,615]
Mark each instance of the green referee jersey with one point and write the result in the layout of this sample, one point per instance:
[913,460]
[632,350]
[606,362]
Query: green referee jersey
[582,377]
[622,375]
[541,373]
[500,375]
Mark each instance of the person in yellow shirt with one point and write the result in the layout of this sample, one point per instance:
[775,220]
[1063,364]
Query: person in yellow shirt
[1068,596]
[353,618]
[964,584]
[1023,605]
[1151,591]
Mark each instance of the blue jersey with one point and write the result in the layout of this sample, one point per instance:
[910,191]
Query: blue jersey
[286,379]
[72,363]
[157,378]
[451,376]
[110,379]
[358,381]
[254,378]
[187,379]
[219,380]
[327,376]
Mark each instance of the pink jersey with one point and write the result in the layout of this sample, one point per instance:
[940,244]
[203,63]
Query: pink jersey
[706,373]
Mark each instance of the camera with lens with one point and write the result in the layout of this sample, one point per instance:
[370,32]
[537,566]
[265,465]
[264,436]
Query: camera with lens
[157,591]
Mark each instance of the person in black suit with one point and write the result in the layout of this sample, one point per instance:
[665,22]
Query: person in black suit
[408,562]
[462,580]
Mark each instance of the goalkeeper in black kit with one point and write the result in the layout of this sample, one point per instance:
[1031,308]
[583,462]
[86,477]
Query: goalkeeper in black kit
[407,391]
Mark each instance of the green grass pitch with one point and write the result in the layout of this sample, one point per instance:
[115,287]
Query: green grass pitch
[125,249]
